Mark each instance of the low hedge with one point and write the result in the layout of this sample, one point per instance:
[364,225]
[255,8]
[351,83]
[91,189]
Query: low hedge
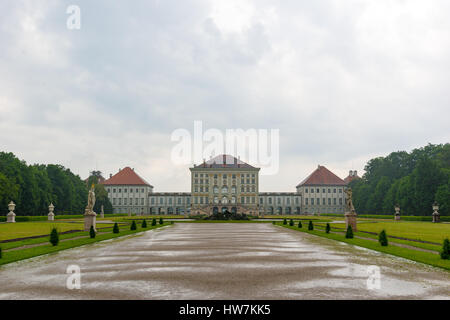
[382,216]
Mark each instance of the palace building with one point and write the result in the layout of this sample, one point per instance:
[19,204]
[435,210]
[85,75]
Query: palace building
[225,183]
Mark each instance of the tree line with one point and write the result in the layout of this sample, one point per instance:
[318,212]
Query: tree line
[33,187]
[412,180]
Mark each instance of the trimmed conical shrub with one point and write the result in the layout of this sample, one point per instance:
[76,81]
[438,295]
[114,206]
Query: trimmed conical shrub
[310,226]
[116,228]
[92,232]
[382,238]
[284,221]
[445,254]
[299,225]
[144,224]
[133,225]
[54,237]
[153,222]
[327,228]
[349,233]
[161,221]
[291,223]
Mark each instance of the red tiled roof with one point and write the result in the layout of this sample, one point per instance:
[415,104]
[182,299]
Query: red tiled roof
[350,179]
[126,176]
[322,176]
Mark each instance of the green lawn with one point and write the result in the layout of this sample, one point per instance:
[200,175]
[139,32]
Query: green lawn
[427,231]
[411,254]
[16,255]
[29,229]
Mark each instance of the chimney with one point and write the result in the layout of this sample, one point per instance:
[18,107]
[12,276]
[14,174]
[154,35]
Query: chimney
[224,159]
[120,169]
[350,173]
[355,173]
[235,161]
[110,175]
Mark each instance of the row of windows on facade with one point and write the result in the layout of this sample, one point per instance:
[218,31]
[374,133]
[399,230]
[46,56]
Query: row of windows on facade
[225,200]
[225,189]
[118,201]
[243,181]
[170,201]
[125,190]
[269,200]
[317,190]
[224,176]
[324,201]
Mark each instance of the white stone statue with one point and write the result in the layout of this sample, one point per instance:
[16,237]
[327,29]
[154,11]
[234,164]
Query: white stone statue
[51,215]
[90,217]
[349,200]
[91,200]
[11,216]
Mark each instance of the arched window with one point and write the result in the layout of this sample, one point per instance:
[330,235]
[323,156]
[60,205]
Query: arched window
[224,189]
[233,199]
[233,189]
[216,200]
[216,189]
[224,200]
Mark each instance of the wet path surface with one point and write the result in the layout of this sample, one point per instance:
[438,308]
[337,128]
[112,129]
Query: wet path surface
[222,261]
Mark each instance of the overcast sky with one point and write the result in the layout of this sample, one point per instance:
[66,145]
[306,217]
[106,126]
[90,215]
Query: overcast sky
[343,81]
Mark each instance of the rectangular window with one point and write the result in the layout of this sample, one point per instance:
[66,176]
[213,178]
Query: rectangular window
[334,190]
[340,201]
[306,190]
[340,190]
[306,201]
[329,201]
[253,200]
[312,201]
[318,190]
[124,201]
[323,201]
[334,201]
[312,190]
[137,202]
[142,201]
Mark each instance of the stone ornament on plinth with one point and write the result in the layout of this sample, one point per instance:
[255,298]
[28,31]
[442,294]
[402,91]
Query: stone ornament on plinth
[90,217]
[397,213]
[102,213]
[350,214]
[436,215]
[11,216]
[51,215]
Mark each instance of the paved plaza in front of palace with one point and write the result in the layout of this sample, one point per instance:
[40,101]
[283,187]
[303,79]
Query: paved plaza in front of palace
[222,261]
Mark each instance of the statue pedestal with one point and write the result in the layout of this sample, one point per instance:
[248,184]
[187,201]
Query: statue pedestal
[350,219]
[90,219]
[436,217]
[51,217]
[11,217]
[397,217]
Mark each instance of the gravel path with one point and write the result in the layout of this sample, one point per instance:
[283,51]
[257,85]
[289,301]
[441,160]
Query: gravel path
[222,261]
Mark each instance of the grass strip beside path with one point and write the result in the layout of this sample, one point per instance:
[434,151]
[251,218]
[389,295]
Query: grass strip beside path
[411,254]
[16,255]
